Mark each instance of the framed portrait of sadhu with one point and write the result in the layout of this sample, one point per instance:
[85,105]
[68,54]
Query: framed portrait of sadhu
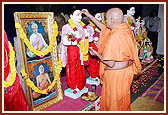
[37,58]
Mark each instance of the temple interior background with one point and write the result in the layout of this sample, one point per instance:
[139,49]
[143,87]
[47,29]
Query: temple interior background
[9,9]
[139,86]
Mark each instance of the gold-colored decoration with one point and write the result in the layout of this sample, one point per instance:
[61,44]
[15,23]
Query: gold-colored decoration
[47,20]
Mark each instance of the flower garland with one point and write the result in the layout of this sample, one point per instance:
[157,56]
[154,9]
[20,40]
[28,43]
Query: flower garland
[32,49]
[84,49]
[130,22]
[144,34]
[12,77]
[140,32]
[45,91]
[96,31]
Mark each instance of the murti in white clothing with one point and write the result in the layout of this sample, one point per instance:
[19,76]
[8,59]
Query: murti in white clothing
[130,14]
[81,33]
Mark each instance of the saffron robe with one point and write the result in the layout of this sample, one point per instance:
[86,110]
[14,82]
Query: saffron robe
[43,85]
[118,45]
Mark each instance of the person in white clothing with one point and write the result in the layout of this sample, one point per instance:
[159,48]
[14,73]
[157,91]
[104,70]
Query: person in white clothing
[154,26]
[37,41]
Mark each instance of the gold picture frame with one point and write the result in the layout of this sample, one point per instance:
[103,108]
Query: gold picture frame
[31,63]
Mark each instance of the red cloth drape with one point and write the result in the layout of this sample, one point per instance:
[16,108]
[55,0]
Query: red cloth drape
[93,68]
[14,98]
[75,72]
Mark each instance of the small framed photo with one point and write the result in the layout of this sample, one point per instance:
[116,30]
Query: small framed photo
[38,28]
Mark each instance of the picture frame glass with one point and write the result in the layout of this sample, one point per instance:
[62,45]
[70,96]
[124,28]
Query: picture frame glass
[39,28]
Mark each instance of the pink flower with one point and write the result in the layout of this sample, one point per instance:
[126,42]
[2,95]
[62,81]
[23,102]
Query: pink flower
[98,36]
[41,56]
[133,25]
[95,32]
[98,104]
[95,35]
[73,39]
[74,91]
[10,88]
[86,62]
[79,39]
[75,29]
[84,26]
[70,36]
[86,37]
[46,93]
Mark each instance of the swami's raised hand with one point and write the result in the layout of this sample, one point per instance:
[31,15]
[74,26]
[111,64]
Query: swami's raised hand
[93,19]
[86,12]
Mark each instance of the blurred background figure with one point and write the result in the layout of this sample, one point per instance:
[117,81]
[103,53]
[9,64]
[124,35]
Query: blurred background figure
[154,26]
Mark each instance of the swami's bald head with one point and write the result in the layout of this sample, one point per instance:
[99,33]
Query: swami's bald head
[114,16]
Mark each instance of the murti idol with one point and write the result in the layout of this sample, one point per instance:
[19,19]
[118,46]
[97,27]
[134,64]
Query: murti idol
[75,39]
